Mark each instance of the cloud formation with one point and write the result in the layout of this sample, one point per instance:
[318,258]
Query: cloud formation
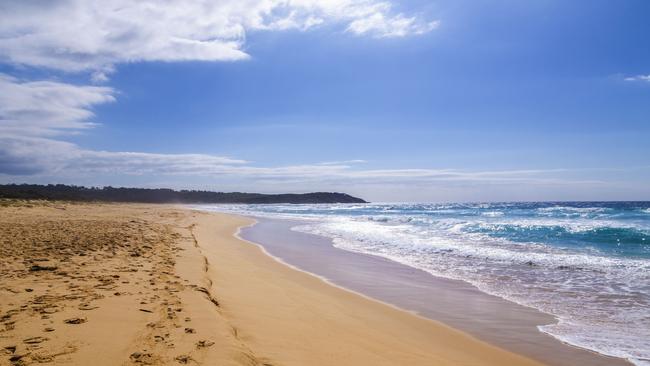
[644,78]
[82,35]
[398,26]
[48,157]
[38,108]
[93,37]
[34,156]
[35,117]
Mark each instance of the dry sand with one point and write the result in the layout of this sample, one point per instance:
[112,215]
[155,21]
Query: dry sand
[109,284]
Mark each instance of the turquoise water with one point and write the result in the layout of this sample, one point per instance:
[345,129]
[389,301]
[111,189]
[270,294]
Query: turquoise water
[587,263]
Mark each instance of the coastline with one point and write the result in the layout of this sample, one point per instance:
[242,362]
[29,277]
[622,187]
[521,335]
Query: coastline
[146,284]
[455,303]
[301,319]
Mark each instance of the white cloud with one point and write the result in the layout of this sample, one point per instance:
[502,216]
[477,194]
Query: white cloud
[101,76]
[398,26]
[36,116]
[84,35]
[344,162]
[35,156]
[38,108]
[94,36]
[645,78]
[46,156]
[27,156]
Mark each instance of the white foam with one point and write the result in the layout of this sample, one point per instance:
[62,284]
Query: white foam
[601,301]
[567,284]
[492,213]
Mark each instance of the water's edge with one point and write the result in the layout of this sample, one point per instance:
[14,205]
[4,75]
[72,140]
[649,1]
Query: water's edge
[587,263]
[453,302]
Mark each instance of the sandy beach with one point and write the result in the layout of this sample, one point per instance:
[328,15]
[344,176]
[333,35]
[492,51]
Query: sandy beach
[123,284]
[455,303]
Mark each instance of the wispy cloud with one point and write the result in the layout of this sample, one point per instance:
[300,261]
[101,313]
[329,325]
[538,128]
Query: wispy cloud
[41,156]
[83,35]
[39,108]
[95,36]
[344,162]
[35,118]
[399,26]
[46,156]
[642,78]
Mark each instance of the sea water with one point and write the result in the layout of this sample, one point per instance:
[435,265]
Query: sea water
[586,263]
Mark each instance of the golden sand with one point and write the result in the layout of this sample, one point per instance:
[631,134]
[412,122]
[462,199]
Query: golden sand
[118,284]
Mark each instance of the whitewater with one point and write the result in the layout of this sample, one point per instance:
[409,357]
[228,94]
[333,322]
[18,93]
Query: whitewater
[586,263]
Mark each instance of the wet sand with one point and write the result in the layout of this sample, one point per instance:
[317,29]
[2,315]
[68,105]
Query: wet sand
[455,303]
[104,284]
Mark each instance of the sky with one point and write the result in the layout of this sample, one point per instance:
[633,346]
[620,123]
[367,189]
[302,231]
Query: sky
[395,100]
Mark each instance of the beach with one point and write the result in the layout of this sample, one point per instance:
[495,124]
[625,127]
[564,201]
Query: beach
[316,183]
[109,284]
[455,303]
[561,282]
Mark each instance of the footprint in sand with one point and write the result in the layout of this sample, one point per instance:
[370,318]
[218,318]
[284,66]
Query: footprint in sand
[35,340]
[204,344]
[183,359]
[142,358]
[75,321]
[87,307]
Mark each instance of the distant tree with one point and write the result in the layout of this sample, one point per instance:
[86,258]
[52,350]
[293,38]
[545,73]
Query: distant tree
[162,195]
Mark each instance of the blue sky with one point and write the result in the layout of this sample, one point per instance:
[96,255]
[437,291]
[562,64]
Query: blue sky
[392,101]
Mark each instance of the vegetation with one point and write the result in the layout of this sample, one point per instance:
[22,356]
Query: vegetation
[161,195]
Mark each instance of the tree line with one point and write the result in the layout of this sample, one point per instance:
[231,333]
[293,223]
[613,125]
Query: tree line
[162,195]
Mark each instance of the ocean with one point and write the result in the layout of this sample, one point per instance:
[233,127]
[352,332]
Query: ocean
[586,263]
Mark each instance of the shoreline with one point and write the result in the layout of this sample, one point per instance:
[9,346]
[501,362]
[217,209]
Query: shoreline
[327,281]
[411,338]
[524,335]
[135,284]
